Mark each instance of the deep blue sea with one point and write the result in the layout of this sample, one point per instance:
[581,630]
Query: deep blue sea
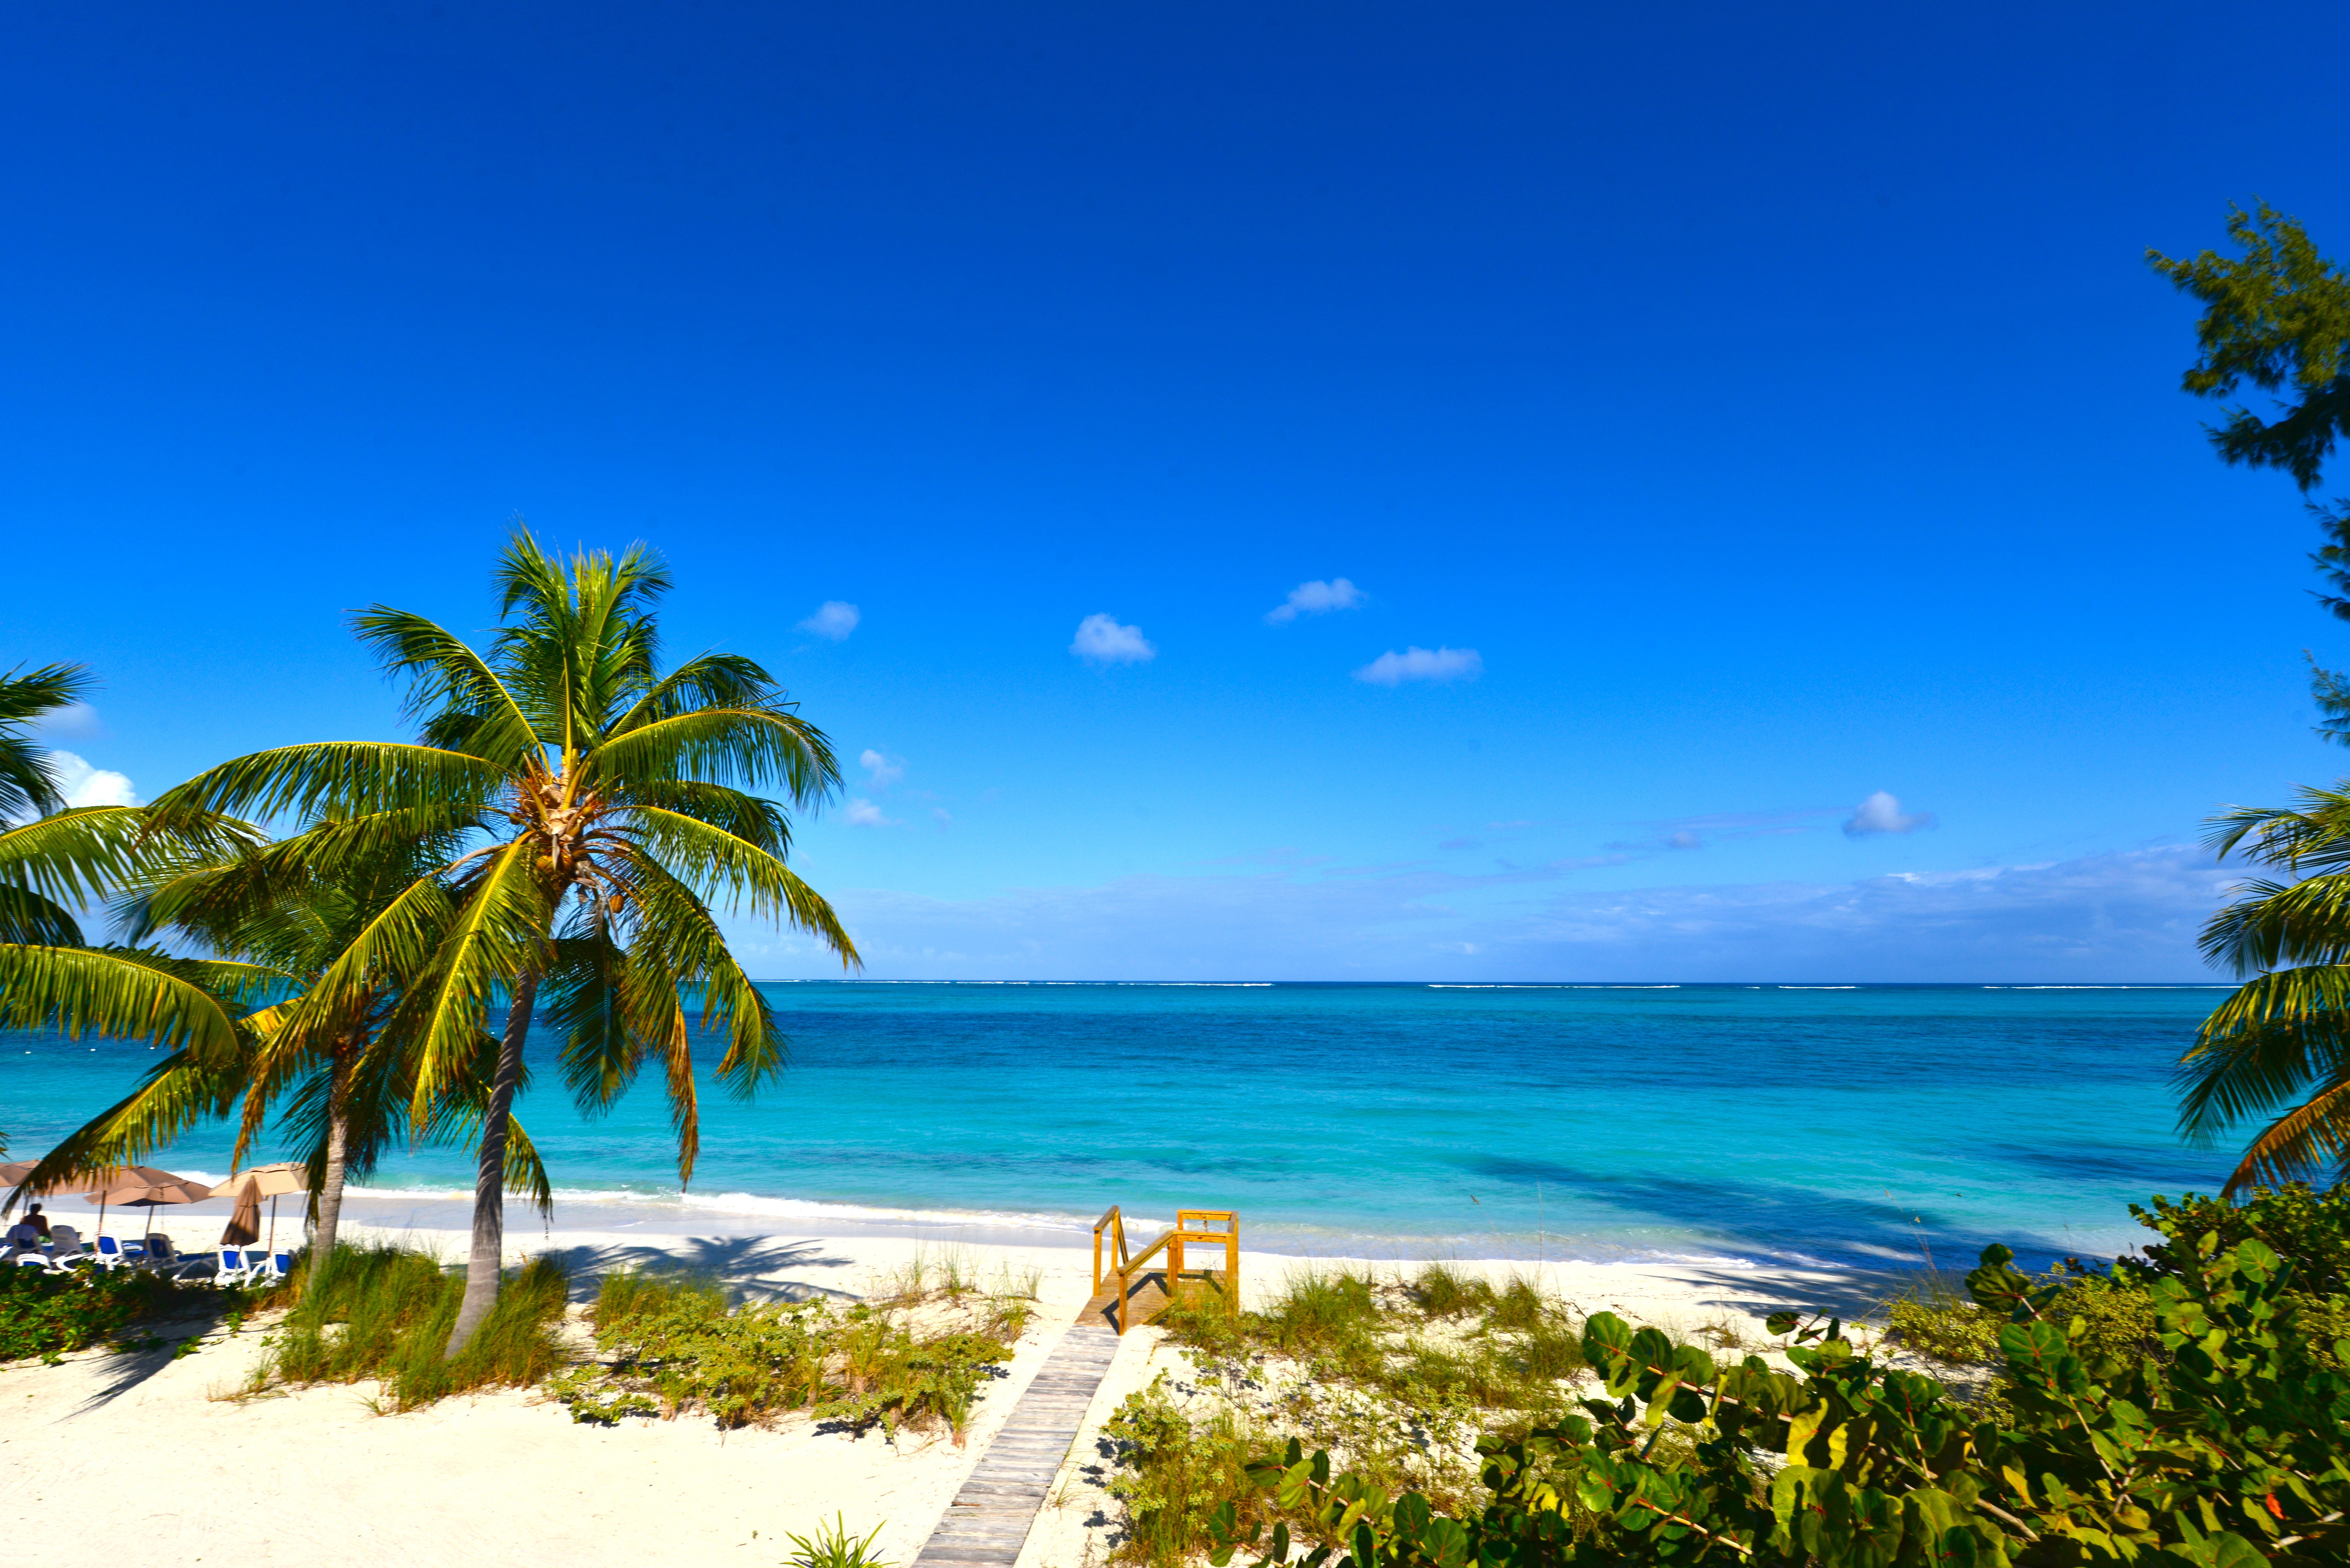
[1848,1125]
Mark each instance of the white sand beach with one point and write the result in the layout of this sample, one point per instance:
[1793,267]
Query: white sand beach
[127,1459]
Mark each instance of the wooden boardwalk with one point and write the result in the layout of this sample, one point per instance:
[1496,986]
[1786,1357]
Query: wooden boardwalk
[989,1519]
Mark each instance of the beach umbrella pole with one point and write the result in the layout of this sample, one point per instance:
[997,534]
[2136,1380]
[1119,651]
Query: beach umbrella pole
[272,1223]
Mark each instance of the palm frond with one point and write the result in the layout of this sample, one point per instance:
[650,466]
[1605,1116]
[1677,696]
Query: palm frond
[754,819]
[2308,1142]
[175,1095]
[342,778]
[741,877]
[754,747]
[497,935]
[28,919]
[28,788]
[2273,923]
[445,675]
[117,994]
[708,680]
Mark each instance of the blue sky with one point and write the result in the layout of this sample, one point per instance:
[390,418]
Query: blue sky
[1777,404]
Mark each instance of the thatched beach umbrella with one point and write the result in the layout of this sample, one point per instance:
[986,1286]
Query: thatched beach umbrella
[270,1181]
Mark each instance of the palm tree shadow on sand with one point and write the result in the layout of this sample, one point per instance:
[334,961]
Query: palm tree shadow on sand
[744,1264]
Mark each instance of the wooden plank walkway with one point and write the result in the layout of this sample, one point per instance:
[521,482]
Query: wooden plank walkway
[989,1519]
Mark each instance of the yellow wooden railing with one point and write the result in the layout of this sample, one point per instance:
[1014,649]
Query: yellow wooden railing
[1125,1269]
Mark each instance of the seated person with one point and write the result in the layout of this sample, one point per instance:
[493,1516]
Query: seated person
[37,1220]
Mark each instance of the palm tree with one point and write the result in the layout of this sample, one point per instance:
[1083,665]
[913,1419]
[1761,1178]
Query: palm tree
[320,1053]
[62,859]
[608,807]
[2280,1045]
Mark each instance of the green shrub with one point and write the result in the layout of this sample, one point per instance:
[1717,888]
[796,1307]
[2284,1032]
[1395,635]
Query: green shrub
[673,1344]
[1936,1322]
[2296,1222]
[1175,1477]
[48,1315]
[2179,1416]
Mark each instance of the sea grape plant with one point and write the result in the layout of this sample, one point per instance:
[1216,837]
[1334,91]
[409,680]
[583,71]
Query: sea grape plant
[2220,1443]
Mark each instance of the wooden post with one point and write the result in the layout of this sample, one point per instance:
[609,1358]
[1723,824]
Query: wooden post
[1233,1268]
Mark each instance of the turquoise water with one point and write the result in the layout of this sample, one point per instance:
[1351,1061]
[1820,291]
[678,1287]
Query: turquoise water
[1847,1126]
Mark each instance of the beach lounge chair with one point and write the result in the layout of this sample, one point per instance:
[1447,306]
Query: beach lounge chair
[66,1247]
[32,1261]
[232,1268]
[114,1254]
[265,1269]
[160,1251]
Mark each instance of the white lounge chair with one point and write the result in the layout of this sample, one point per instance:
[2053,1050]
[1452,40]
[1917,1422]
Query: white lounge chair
[234,1269]
[266,1268]
[64,1246]
[115,1254]
[33,1259]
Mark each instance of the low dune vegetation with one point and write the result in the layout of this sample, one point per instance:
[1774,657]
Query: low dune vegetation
[1397,1378]
[2188,1406]
[916,1358]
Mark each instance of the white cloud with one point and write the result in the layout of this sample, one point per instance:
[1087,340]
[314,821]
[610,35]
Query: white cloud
[882,771]
[863,813]
[1393,668]
[835,619]
[1881,813]
[1684,839]
[1101,640]
[940,814]
[1315,598]
[83,784]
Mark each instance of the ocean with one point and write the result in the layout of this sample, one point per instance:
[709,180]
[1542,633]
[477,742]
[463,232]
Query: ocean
[1841,1125]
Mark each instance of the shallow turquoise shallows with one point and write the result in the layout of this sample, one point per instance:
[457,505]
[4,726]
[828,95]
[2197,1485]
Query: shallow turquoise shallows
[1845,1125]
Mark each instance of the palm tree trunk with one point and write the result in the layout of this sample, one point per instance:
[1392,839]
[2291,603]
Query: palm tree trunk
[330,1190]
[490,1173]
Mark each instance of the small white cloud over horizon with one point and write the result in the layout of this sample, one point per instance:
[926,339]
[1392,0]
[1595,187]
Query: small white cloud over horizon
[834,618]
[863,813]
[881,771]
[1439,664]
[1684,839]
[1881,813]
[1102,640]
[1315,598]
[83,784]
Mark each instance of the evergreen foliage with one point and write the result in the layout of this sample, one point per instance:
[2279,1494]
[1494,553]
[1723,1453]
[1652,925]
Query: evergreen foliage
[2217,1441]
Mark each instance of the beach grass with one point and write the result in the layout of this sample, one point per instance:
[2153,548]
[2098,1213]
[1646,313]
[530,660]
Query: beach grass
[1399,1374]
[384,1311]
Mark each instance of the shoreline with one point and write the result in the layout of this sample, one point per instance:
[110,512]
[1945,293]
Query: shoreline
[744,1213]
[751,1254]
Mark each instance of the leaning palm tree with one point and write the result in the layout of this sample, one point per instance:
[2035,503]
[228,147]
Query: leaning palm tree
[2279,1047]
[608,806]
[321,1054]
